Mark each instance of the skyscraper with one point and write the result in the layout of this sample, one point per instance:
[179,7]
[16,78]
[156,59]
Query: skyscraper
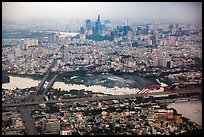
[53,38]
[67,56]
[146,29]
[18,51]
[88,24]
[153,39]
[98,27]
[139,28]
[119,30]
[82,31]
[126,29]
[98,18]
[62,51]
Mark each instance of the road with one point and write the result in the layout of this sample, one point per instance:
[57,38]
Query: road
[73,100]
[84,99]
[29,121]
[40,85]
[50,84]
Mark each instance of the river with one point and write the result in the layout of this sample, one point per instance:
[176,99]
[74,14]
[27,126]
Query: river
[191,110]
[21,83]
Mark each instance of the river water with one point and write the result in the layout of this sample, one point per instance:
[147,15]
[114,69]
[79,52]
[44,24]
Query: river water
[191,110]
[21,83]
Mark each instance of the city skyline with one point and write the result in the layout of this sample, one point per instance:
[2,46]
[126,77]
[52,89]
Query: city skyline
[188,12]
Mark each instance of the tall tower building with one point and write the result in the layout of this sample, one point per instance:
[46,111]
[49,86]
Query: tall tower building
[67,55]
[153,39]
[169,64]
[53,38]
[126,29]
[98,27]
[18,51]
[88,24]
[62,51]
[146,29]
[82,31]
[98,18]
[126,23]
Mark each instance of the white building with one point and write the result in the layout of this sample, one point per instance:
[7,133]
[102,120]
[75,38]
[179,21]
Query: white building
[30,42]
[160,61]
[65,132]
[18,52]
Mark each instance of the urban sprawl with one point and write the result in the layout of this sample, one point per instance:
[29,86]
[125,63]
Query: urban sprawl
[170,52]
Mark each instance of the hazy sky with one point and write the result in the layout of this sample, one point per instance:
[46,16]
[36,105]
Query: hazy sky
[171,11]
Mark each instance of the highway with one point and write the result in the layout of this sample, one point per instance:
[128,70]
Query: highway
[73,100]
[50,84]
[40,85]
[85,99]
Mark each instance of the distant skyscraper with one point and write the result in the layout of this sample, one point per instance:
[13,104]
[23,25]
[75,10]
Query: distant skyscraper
[126,29]
[88,24]
[171,26]
[153,39]
[62,51]
[98,27]
[161,61]
[53,38]
[146,29]
[82,31]
[119,30]
[177,26]
[67,56]
[139,28]
[18,51]
[57,39]
[98,18]
[147,26]
[160,30]
[169,64]
[126,23]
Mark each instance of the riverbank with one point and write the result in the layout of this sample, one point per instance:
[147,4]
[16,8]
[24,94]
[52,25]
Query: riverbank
[109,79]
[189,109]
[21,83]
